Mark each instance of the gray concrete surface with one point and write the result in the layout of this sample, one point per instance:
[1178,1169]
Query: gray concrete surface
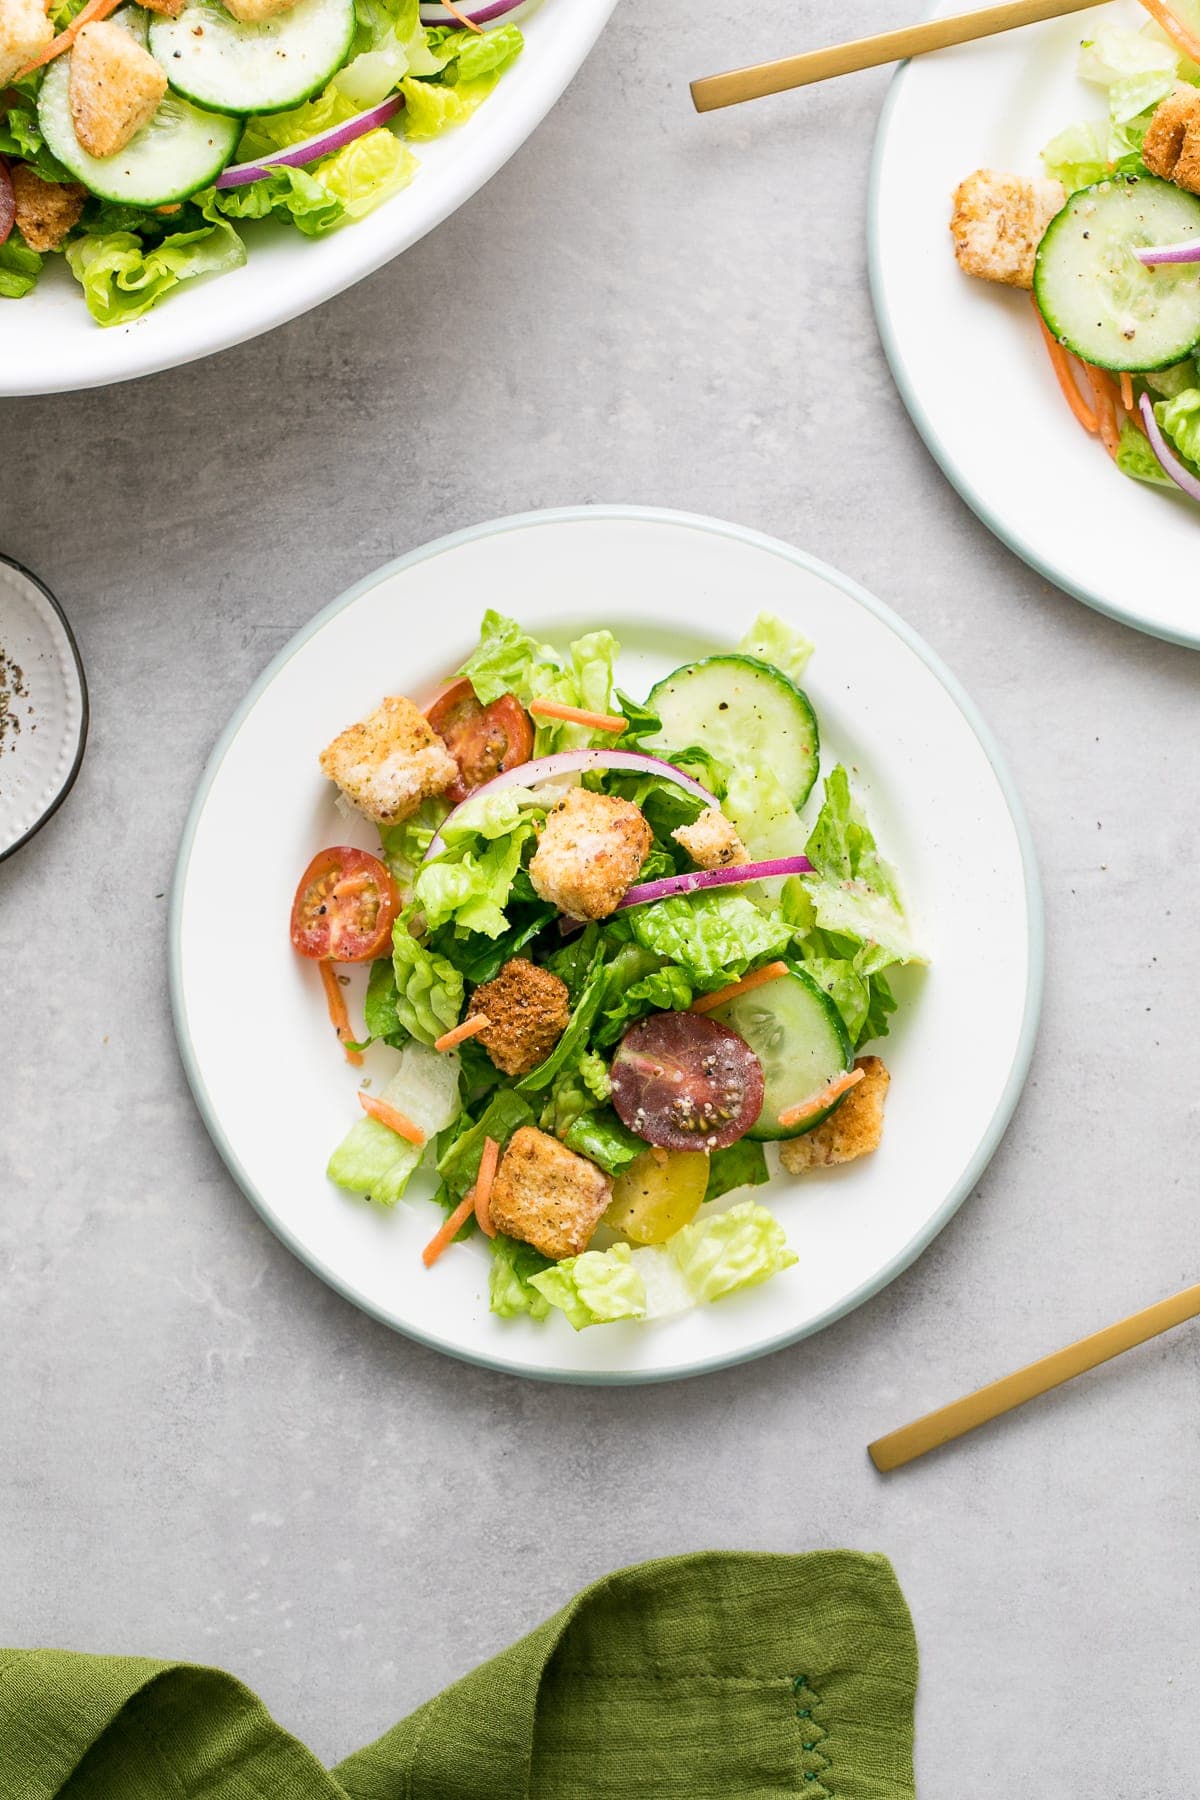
[203,1452]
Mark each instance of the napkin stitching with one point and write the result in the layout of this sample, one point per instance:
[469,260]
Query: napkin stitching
[418,1739]
[812,1735]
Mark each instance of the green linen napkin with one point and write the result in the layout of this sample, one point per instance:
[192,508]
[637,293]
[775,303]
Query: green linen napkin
[717,1674]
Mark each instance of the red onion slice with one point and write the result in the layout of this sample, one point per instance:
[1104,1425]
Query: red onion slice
[1181,476]
[481,15]
[710,878]
[8,204]
[324,144]
[574,762]
[1154,254]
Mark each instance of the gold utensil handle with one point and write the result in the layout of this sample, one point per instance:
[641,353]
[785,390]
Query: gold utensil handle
[730,89]
[961,1416]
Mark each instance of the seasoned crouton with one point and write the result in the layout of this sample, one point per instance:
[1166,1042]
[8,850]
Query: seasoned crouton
[389,762]
[170,9]
[527,1009]
[852,1130]
[45,210]
[24,30]
[712,842]
[256,12]
[999,221]
[591,850]
[546,1195]
[1171,148]
[114,88]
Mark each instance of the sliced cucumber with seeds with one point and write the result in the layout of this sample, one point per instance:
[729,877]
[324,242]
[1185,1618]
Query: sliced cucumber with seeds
[798,1036]
[213,59]
[741,710]
[181,150]
[1095,295]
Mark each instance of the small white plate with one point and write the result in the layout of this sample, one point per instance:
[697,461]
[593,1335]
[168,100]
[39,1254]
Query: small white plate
[43,706]
[53,345]
[967,355]
[249,1013]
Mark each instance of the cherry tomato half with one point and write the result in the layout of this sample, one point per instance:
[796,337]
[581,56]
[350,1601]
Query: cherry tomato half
[684,1082]
[483,740]
[345,907]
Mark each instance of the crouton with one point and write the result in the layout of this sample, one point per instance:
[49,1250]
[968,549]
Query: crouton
[24,31]
[852,1130]
[999,221]
[45,210]
[712,842]
[170,9]
[591,850]
[257,12]
[546,1195]
[1171,148]
[389,762]
[114,88]
[527,1009]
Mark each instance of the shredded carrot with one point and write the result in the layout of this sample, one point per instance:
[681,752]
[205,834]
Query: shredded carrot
[488,1163]
[1106,398]
[95,9]
[449,1230]
[458,1034]
[391,1117]
[578,715]
[1180,35]
[794,1115]
[709,1002]
[462,17]
[339,1017]
[1126,390]
[1061,364]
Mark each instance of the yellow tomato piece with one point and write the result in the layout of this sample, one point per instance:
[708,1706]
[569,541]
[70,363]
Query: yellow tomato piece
[658,1194]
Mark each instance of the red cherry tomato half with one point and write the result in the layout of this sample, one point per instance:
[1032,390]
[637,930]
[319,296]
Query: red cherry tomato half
[345,907]
[684,1082]
[8,203]
[483,740]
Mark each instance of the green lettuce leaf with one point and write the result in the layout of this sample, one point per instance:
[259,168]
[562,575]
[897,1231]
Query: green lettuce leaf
[371,1159]
[122,277]
[761,810]
[848,989]
[509,661]
[596,1288]
[478,54]
[574,1039]
[774,641]
[714,935]
[724,1252]
[458,1163]
[481,960]
[365,173]
[429,989]
[1137,68]
[743,1164]
[509,1283]
[266,132]
[381,1006]
[855,893]
[472,880]
[1136,459]
[287,193]
[404,844]
[430,107]
[604,1140]
[1180,419]
[664,990]
[1172,382]
[1078,156]
[19,269]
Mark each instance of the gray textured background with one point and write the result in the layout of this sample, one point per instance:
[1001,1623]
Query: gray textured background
[206,1454]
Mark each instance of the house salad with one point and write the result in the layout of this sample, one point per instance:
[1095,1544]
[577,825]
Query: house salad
[1108,240]
[139,138]
[614,964]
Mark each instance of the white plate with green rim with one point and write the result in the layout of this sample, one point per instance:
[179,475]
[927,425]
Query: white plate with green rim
[967,355]
[278,1098]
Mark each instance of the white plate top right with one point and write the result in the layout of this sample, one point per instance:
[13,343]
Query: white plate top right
[967,355]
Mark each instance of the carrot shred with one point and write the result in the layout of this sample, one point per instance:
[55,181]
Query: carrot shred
[578,715]
[339,1016]
[94,10]
[469,24]
[488,1164]
[458,1034]
[709,1002]
[1179,34]
[793,1115]
[392,1117]
[1126,390]
[1061,364]
[449,1231]
[1106,396]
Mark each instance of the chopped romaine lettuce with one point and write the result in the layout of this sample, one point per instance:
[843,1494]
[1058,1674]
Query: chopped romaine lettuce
[714,935]
[373,1160]
[19,269]
[429,989]
[574,1039]
[855,893]
[720,1253]
[509,661]
[1180,420]
[602,1138]
[365,173]
[286,193]
[513,1266]
[776,642]
[458,1164]
[122,277]
[1137,68]
[596,1288]
[743,1164]
[1136,459]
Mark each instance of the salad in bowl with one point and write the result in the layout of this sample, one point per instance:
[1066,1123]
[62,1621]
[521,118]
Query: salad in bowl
[617,970]
[1106,238]
[139,138]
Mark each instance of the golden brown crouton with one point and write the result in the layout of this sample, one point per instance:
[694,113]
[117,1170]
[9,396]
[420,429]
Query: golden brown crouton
[711,841]
[45,210]
[391,761]
[546,1195]
[256,12]
[24,30]
[852,1130]
[527,1009]
[1171,148]
[591,850]
[170,9]
[114,88]
[999,221]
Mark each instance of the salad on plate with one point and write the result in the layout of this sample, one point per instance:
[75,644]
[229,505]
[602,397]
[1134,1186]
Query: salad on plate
[139,138]
[619,959]
[1107,239]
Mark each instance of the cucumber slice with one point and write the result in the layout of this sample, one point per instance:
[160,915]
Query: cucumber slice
[181,150]
[798,1036]
[232,68]
[740,709]
[1094,294]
